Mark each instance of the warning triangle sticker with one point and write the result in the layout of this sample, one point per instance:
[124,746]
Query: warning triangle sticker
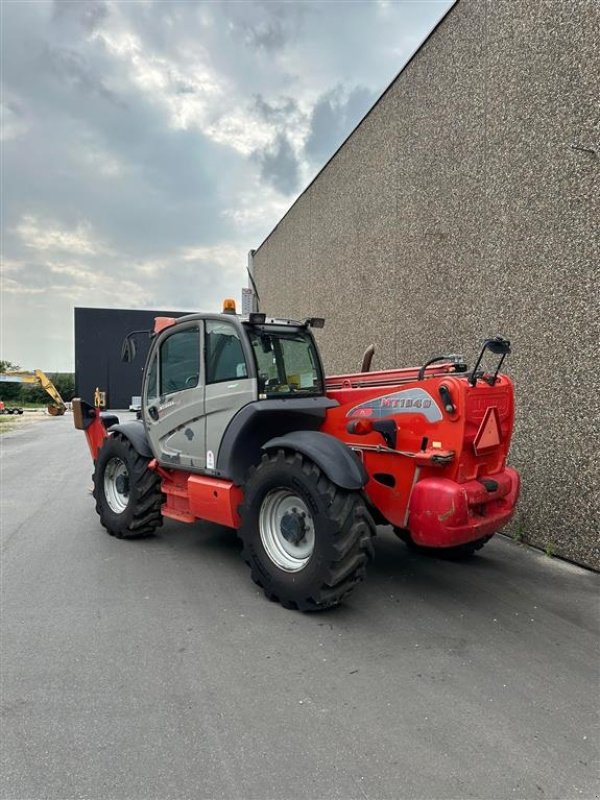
[488,435]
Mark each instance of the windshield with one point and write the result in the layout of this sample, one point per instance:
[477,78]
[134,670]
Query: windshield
[286,363]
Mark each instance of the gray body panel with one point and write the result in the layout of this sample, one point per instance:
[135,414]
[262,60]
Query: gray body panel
[178,437]
[222,403]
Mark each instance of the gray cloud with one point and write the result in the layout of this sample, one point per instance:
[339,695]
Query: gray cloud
[267,26]
[280,166]
[279,111]
[71,66]
[267,35]
[89,14]
[334,115]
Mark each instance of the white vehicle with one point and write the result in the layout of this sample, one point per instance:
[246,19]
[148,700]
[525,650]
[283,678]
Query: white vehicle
[136,403]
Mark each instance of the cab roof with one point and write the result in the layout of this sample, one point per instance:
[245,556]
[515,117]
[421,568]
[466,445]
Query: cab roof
[254,319]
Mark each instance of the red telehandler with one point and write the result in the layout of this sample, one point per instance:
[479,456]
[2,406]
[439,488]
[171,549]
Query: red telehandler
[239,426]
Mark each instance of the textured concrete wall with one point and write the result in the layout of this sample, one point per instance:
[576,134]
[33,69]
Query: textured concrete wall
[465,204]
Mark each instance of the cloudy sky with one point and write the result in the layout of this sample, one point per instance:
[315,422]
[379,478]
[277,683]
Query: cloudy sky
[147,146]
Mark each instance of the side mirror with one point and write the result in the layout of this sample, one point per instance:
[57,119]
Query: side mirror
[498,346]
[128,350]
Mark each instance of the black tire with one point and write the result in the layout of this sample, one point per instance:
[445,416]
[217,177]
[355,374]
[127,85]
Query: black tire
[461,552]
[141,497]
[342,533]
[19,411]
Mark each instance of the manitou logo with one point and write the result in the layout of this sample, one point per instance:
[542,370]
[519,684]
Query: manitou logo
[477,406]
[405,402]
[408,401]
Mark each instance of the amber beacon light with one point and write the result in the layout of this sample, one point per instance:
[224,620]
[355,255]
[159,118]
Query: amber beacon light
[229,306]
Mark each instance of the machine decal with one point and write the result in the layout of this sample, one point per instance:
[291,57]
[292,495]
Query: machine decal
[407,401]
[164,405]
[210,459]
[477,406]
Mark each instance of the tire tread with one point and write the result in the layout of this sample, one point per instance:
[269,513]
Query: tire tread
[350,525]
[145,489]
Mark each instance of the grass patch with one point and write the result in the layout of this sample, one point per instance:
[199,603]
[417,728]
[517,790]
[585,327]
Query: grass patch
[519,529]
[6,424]
[518,535]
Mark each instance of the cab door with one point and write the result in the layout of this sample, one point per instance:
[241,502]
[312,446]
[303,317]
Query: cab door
[229,387]
[173,398]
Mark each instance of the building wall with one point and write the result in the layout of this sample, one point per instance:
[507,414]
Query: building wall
[467,204]
[99,334]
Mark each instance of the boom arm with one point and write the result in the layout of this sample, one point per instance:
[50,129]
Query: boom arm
[39,378]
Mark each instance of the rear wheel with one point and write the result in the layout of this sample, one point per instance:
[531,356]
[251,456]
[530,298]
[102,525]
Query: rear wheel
[307,542]
[457,553]
[127,492]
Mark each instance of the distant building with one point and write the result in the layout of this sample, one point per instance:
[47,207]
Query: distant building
[99,334]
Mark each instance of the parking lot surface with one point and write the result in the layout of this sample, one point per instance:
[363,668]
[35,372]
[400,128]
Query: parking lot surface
[156,669]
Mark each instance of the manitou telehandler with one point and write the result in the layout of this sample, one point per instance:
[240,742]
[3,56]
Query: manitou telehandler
[239,426]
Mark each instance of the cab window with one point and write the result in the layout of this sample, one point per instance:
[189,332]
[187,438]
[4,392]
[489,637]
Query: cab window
[180,361]
[225,359]
[152,381]
[286,362]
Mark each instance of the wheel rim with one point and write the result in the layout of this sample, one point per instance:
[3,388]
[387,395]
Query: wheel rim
[116,485]
[287,530]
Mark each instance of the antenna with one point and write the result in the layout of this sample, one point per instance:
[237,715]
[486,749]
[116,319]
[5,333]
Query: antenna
[256,294]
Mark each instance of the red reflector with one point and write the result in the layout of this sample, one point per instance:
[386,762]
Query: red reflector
[488,434]
[360,427]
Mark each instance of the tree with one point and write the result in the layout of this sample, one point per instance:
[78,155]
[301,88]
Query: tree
[9,392]
[65,383]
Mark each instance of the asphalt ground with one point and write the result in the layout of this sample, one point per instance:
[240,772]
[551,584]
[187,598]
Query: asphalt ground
[156,669]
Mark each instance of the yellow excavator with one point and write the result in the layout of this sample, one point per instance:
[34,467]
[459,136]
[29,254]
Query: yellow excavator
[38,378]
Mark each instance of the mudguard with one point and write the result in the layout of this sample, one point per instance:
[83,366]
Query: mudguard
[253,425]
[336,459]
[135,432]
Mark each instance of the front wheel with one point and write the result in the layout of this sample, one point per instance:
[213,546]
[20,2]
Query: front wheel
[127,493]
[307,541]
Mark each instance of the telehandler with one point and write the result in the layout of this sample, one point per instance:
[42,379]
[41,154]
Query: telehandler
[239,426]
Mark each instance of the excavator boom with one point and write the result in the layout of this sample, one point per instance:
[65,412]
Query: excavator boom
[38,378]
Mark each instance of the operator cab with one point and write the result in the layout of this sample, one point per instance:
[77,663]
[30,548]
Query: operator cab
[203,369]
